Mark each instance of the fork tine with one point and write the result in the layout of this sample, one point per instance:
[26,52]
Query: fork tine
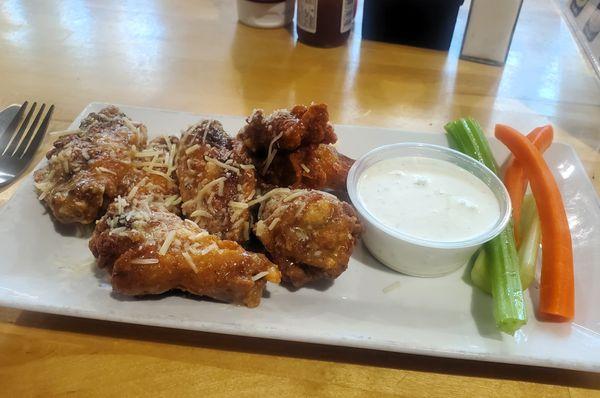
[17,138]
[9,132]
[24,140]
[37,138]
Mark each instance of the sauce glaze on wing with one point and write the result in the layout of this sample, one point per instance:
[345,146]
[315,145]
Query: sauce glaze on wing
[216,179]
[309,234]
[86,169]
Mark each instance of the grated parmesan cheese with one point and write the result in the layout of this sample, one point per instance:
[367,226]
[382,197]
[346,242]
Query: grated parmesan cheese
[274,223]
[207,187]
[192,149]
[260,275]
[200,235]
[190,262]
[160,174]
[147,153]
[391,287]
[201,213]
[135,188]
[268,195]
[239,205]
[144,261]
[304,167]
[295,195]
[130,125]
[105,170]
[271,153]
[167,243]
[221,164]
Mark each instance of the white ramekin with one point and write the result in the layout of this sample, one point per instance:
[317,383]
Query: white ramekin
[412,255]
[265,14]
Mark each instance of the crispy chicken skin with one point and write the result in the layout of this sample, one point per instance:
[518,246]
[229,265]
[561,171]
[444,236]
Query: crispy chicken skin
[291,128]
[148,249]
[313,166]
[86,169]
[291,148]
[216,179]
[309,234]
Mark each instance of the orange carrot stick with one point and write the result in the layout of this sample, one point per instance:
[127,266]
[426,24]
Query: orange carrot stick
[557,290]
[515,178]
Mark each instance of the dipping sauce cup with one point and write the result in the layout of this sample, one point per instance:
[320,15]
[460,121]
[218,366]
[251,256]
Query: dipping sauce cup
[415,255]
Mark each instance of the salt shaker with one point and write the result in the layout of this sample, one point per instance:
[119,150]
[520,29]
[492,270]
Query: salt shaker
[489,31]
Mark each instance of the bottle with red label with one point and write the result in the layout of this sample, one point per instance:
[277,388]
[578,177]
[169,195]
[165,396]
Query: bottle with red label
[325,23]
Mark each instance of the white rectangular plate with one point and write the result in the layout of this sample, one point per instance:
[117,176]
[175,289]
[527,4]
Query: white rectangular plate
[45,267]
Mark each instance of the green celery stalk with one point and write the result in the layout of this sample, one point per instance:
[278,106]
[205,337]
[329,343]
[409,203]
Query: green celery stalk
[527,252]
[480,276]
[530,240]
[501,253]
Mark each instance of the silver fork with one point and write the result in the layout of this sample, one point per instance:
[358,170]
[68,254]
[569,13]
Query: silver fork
[20,138]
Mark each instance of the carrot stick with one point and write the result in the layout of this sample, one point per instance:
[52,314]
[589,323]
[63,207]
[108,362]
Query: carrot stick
[557,290]
[515,178]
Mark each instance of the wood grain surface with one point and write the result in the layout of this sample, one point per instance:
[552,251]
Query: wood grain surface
[192,55]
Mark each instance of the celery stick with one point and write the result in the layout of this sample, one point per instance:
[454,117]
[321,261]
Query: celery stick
[530,242]
[527,252]
[501,253]
[480,275]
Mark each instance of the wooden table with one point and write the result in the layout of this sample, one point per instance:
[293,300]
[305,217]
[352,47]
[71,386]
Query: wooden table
[193,56]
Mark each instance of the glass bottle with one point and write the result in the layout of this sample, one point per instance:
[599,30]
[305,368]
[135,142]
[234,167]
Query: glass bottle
[325,23]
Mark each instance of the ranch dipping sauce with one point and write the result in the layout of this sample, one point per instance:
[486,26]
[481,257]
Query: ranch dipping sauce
[427,198]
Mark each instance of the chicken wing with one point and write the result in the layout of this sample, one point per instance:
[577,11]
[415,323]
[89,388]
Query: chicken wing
[216,179]
[313,166]
[309,234]
[291,148]
[287,129]
[86,168]
[150,250]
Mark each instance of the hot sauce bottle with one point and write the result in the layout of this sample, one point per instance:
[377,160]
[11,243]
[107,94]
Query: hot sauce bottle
[325,23]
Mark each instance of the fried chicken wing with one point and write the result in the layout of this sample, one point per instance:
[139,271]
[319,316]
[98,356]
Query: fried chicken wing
[287,129]
[216,179]
[314,166]
[309,234]
[291,148]
[86,168]
[149,250]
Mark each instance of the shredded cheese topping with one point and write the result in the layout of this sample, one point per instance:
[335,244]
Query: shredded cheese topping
[105,170]
[189,260]
[201,213]
[391,287]
[274,223]
[167,243]
[259,275]
[144,261]
[192,149]
[295,195]
[271,153]
[221,164]
[268,195]
[135,188]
